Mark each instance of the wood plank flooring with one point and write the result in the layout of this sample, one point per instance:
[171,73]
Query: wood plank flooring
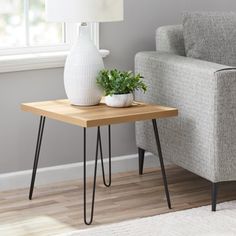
[58,209]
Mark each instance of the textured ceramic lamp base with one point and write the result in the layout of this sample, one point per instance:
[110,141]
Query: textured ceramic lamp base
[81,69]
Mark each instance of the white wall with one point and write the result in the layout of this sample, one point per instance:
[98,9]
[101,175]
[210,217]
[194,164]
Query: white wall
[142,17]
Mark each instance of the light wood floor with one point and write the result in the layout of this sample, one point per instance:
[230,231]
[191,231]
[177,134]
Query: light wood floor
[57,209]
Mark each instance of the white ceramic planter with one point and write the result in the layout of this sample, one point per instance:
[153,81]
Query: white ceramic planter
[119,100]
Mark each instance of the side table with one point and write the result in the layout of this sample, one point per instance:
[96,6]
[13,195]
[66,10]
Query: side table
[96,116]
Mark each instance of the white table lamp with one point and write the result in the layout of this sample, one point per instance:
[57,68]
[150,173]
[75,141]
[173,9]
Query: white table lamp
[84,61]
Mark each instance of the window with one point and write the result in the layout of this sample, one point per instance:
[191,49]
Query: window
[24,29]
[28,41]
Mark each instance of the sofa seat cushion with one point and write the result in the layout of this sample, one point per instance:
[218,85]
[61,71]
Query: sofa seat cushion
[210,36]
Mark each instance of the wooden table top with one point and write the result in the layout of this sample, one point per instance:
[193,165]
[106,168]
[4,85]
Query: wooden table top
[99,115]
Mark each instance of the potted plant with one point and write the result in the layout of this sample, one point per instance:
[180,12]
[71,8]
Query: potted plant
[119,87]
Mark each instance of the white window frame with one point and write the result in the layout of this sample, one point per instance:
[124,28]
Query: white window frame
[70,36]
[34,58]
[41,57]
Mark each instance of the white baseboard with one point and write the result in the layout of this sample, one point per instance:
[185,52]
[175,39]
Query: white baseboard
[62,173]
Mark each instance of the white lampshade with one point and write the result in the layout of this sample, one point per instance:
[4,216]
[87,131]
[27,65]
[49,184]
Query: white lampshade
[84,10]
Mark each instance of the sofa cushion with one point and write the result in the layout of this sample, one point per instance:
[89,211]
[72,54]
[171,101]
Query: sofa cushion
[170,39]
[211,36]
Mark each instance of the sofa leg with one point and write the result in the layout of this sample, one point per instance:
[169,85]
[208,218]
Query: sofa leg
[214,191]
[141,154]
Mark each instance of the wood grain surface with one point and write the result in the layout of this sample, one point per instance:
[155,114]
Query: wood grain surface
[99,115]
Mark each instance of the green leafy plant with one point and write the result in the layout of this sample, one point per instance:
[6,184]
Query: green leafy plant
[119,82]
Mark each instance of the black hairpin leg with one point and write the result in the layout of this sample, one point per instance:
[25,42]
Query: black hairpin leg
[161,162]
[94,181]
[98,145]
[37,152]
[101,153]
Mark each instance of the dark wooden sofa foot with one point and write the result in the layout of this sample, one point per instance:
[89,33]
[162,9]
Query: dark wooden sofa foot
[141,154]
[214,191]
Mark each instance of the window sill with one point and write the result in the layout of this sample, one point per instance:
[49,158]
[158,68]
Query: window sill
[36,61]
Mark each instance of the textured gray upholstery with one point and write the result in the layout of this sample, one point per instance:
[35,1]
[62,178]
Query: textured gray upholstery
[170,38]
[211,36]
[203,138]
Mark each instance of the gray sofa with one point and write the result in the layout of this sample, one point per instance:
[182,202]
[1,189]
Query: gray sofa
[203,138]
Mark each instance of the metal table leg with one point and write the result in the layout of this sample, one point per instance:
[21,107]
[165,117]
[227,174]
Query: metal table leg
[94,182]
[37,152]
[161,162]
[101,153]
[98,145]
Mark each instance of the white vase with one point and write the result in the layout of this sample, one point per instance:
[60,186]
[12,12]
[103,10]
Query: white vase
[119,100]
[81,69]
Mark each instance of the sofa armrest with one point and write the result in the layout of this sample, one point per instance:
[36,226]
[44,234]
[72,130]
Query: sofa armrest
[184,70]
[225,125]
[201,138]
